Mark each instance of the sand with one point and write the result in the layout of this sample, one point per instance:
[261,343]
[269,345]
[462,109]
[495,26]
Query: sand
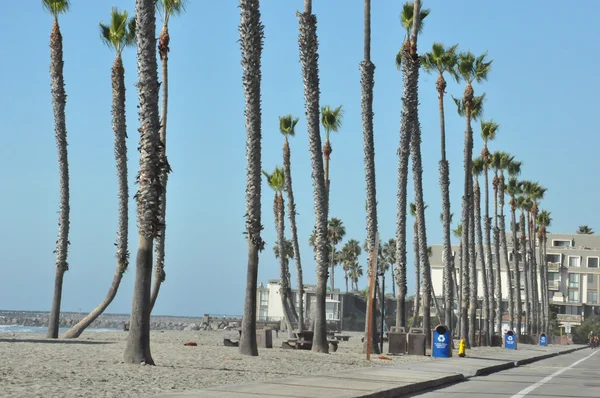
[92,366]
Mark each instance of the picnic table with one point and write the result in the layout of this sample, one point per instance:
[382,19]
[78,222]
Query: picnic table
[304,341]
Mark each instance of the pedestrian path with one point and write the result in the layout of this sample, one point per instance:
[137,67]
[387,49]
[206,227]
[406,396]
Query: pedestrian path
[386,381]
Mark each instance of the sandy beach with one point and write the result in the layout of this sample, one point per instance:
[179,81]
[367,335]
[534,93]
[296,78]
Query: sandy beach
[92,366]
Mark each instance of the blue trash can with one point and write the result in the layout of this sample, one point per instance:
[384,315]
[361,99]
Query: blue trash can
[543,340]
[441,344]
[510,340]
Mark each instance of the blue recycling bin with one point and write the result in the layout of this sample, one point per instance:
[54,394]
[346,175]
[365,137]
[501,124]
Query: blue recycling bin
[510,340]
[543,340]
[441,344]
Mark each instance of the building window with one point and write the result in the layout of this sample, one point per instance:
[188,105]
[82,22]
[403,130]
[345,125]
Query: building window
[590,279]
[561,243]
[573,281]
[592,298]
[592,262]
[573,296]
[553,258]
[574,261]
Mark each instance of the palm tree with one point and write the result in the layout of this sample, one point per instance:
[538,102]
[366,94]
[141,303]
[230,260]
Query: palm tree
[585,230]
[442,60]
[388,251]
[349,257]
[471,69]
[308,42]
[166,9]
[367,70]
[478,168]
[523,204]
[332,120]
[118,35]
[544,220]
[287,127]
[488,133]
[251,39]
[406,19]
[535,193]
[513,189]
[495,162]
[355,271]
[335,232]
[152,165]
[59,101]
[506,163]
[276,182]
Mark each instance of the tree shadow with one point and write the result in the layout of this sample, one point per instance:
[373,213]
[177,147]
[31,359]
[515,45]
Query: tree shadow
[54,341]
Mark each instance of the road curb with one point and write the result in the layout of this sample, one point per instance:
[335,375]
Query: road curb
[416,387]
[493,369]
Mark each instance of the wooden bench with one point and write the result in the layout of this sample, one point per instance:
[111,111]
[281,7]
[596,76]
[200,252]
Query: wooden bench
[341,337]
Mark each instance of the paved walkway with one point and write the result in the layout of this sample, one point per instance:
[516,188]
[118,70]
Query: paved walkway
[385,381]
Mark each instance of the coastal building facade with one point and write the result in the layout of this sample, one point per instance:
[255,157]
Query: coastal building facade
[573,275]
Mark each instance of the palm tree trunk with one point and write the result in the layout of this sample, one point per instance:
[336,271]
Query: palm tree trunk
[486,299]
[417,300]
[466,211]
[287,171]
[445,188]
[159,276]
[251,38]
[487,222]
[472,273]
[536,294]
[59,101]
[517,287]
[393,280]
[509,280]
[498,276]
[346,279]
[525,246]
[367,71]
[284,281]
[308,42]
[547,296]
[332,265]
[120,129]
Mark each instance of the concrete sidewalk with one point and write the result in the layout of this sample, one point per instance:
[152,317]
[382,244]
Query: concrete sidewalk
[387,381]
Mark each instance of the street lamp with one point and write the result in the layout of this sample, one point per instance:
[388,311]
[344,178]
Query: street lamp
[381,273]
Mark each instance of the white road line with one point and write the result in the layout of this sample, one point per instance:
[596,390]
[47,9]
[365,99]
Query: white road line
[546,379]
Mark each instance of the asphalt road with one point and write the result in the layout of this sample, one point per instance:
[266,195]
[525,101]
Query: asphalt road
[571,376]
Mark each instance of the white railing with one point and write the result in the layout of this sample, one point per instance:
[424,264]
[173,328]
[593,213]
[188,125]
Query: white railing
[554,267]
[568,318]
[553,285]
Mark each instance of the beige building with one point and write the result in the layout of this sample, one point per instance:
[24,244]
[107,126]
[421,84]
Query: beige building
[573,275]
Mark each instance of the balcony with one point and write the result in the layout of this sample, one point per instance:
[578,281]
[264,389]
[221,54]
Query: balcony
[568,318]
[554,267]
[553,285]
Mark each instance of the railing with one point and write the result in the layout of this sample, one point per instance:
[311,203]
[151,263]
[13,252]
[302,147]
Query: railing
[568,318]
[554,267]
[553,285]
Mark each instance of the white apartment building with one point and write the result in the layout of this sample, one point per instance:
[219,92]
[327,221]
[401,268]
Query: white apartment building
[573,274]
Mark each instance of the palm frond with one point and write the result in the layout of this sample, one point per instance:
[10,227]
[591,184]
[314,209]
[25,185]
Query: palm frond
[275,179]
[287,125]
[56,7]
[399,59]
[168,8]
[332,119]
[488,130]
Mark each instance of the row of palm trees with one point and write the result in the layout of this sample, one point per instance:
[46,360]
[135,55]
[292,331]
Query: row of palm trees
[121,32]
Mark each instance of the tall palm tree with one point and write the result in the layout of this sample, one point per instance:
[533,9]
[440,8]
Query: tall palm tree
[471,69]
[412,61]
[251,39]
[488,133]
[152,165]
[442,60]
[388,251]
[118,35]
[544,220]
[523,204]
[535,193]
[406,19]
[166,9]
[495,162]
[335,232]
[367,71]
[513,189]
[349,256]
[59,101]
[287,127]
[585,230]
[355,272]
[331,119]
[308,42]
[508,164]
[276,182]
[478,168]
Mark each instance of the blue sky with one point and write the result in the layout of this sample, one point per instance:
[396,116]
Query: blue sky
[540,90]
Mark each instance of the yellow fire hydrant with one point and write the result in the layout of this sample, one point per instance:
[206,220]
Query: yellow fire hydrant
[461,348]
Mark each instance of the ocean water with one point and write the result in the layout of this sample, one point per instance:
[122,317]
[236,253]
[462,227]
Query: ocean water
[42,329]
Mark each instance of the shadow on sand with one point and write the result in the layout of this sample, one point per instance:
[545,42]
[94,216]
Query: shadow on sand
[54,341]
